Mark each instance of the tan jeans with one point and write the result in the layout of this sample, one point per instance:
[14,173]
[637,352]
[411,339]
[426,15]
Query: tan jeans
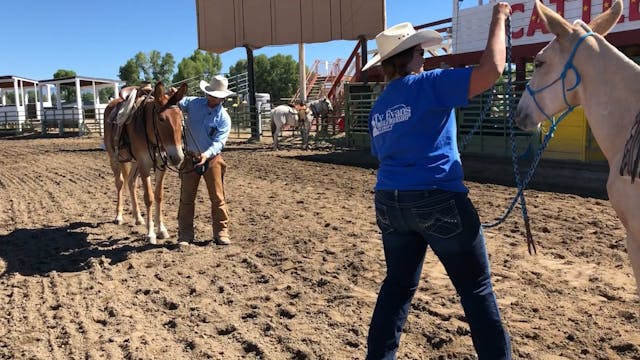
[190,179]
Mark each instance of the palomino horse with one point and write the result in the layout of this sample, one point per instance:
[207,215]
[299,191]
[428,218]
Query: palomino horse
[285,115]
[152,136]
[569,72]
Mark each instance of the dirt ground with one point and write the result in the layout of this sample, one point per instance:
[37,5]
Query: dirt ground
[300,280]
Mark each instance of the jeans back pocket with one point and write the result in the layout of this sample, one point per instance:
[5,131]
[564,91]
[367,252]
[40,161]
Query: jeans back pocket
[442,220]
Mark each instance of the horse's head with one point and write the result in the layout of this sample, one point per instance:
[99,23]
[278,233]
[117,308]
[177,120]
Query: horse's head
[328,105]
[555,82]
[168,121]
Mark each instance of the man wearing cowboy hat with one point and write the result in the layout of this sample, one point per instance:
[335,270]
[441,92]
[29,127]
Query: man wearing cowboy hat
[420,198]
[207,128]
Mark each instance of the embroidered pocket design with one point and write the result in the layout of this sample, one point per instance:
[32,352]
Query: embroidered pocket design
[442,220]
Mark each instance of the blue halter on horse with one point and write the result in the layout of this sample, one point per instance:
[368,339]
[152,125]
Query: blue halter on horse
[563,75]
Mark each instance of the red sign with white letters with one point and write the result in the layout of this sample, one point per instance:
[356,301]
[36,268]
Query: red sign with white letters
[586,10]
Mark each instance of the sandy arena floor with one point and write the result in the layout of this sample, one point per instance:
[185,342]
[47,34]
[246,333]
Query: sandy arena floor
[301,278]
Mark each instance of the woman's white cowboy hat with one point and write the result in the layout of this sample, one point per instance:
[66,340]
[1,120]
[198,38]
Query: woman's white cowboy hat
[217,87]
[401,37]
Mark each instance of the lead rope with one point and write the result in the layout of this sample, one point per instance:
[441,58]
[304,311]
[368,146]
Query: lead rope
[552,128]
[531,244]
[187,131]
[521,185]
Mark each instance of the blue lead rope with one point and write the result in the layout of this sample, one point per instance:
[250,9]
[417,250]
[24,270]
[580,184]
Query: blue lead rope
[554,124]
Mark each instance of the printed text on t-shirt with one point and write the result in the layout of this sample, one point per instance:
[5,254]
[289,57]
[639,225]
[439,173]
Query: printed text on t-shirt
[383,122]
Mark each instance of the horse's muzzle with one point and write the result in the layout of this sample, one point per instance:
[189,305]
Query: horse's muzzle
[175,157]
[175,161]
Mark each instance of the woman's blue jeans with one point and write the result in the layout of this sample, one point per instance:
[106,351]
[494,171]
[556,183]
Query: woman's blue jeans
[448,223]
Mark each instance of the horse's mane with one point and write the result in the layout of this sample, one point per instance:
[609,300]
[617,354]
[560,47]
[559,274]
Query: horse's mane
[631,157]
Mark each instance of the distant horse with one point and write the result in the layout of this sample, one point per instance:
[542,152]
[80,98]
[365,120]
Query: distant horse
[569,72]
[320,109]
[285,115]
[152,136]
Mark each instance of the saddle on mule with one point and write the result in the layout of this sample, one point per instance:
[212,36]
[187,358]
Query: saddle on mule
[124,112]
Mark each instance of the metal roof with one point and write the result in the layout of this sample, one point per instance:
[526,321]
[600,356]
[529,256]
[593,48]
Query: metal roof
[227,24]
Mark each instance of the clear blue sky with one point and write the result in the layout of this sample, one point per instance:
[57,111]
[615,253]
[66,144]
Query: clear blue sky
[95,38]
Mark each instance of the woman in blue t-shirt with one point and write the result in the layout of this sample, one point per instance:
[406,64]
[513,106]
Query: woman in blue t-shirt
[420,197]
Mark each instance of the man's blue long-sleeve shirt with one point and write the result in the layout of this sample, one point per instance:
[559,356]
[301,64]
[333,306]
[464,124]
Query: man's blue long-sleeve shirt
[206,129]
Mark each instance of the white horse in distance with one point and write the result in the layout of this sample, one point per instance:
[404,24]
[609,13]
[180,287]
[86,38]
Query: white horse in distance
[285,115]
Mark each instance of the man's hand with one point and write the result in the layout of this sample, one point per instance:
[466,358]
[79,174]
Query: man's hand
[203,159]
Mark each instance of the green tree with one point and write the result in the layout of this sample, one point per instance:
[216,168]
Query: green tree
[105,94]
[161,66]
[86,97]
[62,73]
[153,67]
[9,97]
[31,97]
[239,68]
[284,76]
[199,65]
[144,66]
[277,75]
[129,72]
[67,93]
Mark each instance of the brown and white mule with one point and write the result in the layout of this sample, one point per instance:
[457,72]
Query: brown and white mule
[570,71]
[151,139]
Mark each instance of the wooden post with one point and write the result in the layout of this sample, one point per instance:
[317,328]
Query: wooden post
[302,73]
[363,52]
[80,110]
[256,127]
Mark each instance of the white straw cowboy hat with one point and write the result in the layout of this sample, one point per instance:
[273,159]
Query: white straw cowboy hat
[217,87]
[401,37]
[146,87]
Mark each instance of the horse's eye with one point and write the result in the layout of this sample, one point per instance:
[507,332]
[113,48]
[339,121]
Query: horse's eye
[537,64]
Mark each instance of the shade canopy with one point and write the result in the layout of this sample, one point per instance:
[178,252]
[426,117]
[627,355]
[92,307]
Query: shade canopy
[227,24]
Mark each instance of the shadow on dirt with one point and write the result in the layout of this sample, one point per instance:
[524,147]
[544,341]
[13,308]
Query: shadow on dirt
[98,149]
[358,158]
[551,175]
[61,249]
[37,135]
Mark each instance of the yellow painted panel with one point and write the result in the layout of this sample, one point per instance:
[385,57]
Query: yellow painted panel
[564,146]
[569,138]
[593,152]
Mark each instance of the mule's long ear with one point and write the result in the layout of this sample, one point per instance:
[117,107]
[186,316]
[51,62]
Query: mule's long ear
[158,92]
[604,22]
[554,22]
[178,95]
